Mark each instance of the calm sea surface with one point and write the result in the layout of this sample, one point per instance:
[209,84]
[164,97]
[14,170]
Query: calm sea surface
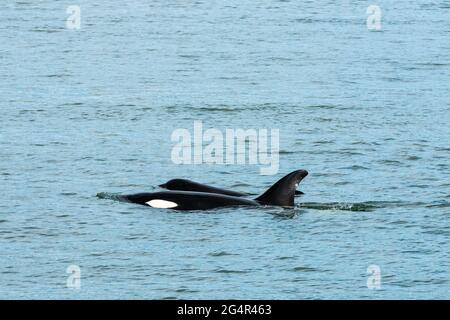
[92,110]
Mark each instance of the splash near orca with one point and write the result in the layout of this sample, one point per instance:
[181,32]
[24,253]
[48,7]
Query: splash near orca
[196,196]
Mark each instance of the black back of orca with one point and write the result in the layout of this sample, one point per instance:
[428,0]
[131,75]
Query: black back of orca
[189,185]
[280,194]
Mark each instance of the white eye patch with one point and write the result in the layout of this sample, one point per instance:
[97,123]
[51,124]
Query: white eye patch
[162,204]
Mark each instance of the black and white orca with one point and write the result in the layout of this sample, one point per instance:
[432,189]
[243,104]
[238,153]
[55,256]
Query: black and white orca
[280,194]
[189,185]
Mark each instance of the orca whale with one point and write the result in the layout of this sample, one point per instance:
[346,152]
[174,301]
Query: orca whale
[189,185]
[280,194]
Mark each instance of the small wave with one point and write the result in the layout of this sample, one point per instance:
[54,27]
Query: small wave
[324,142]
[56,76]
[71,104]
[46,30]
[220,254]
[439,204]
[389,162]
[68,194]
[304,269]
[325,106]
[126,105]
[185,290]
[229,271]
[240,184]
[217,109]
[355,167]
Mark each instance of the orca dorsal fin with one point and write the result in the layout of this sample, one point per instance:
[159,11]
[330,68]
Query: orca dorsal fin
[283,191]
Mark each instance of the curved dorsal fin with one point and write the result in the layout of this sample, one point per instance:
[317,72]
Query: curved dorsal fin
[283,191]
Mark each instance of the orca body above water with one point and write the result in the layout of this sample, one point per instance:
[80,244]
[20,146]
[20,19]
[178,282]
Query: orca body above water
[193,198]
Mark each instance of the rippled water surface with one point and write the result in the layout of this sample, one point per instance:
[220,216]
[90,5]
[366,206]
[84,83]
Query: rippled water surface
[92,110]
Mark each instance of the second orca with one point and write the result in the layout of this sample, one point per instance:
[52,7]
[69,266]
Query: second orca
[189,185]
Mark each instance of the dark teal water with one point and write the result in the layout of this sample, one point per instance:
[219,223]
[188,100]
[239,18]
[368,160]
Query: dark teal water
[92,110]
